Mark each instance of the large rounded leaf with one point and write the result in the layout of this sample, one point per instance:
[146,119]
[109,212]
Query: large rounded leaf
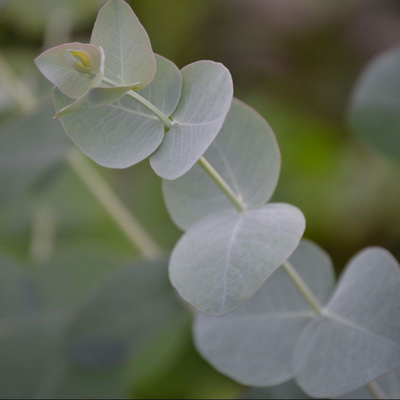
[255,344]
[360,332]
[246,155]
[206,98]
[375,113]
[123,133]
[30,146]
[129,59]
[57,68]
[222,260]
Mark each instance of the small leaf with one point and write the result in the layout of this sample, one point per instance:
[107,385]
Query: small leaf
[123,133]
[80,60]
[29,148]
[55,65]
[375,109]
[255,344]
[206,98]
[221,261]
[253,178]
[129,58]
[359,333]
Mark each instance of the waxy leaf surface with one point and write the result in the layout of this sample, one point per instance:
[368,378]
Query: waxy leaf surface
[375,110]
[221,261]
[129,58]
[206,98]
[360,332]
[56,67]
[255,343]
[123,133]
[245,153]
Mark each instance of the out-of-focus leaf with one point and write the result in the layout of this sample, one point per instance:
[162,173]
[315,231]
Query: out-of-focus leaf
[287,390]
[57,68]
[255,344]
[359,333]
[123,133]
[253,178]
[31,356]
[29,146]
[206,98]
[388,384]
[375,113]
[221,261]
[129,58]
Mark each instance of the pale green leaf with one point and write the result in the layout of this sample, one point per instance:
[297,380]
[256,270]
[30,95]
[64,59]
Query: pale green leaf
[54,64]
[30,146]
[375,110]
[246,155]
[123,133]
[359,333]
[255,344]
[206,98]
[129,58]
[221,261]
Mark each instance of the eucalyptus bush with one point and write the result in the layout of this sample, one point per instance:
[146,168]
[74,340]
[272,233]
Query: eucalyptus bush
[267,307]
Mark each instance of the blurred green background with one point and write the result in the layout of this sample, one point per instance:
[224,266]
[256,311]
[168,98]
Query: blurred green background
[294,61]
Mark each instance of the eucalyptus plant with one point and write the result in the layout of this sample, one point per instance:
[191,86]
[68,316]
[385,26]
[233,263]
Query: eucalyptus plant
[261,319]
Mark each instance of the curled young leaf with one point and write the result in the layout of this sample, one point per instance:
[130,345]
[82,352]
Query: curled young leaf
[69,75]
[222,260]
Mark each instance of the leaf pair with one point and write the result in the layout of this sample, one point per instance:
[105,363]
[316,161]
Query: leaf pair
[52,350]
[225,256]
[111,125]
[276,336]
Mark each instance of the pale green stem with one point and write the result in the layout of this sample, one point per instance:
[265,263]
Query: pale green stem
[42,236]
[16,87]
[110,201]
[158,113]
[217,178]
[376,391]
[302,287]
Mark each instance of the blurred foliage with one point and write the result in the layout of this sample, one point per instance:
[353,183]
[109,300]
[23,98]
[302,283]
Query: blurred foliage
[294,62]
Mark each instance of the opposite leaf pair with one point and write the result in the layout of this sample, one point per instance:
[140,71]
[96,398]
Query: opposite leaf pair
[276,336]
[118,127]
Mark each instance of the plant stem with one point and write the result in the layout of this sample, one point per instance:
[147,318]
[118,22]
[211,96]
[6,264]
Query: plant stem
[104,194]
[376,391]
[217,178]
[16,87]
[302,287]
[158,113]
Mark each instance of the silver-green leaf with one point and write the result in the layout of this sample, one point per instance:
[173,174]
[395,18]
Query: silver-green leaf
[359,334]
[253,179]
[255,344]
[221,261]
[123,133]
[375,109]
[129,58]
[55,65]
[206,98]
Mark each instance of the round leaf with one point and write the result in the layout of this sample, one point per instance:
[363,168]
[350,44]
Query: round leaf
[375,113]
[246,155]
[359,333]
[129,58]
[221,261]
[206,98]
[255,344]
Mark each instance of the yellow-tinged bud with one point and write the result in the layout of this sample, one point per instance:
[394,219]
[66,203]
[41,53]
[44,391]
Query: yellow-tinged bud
[80,60]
